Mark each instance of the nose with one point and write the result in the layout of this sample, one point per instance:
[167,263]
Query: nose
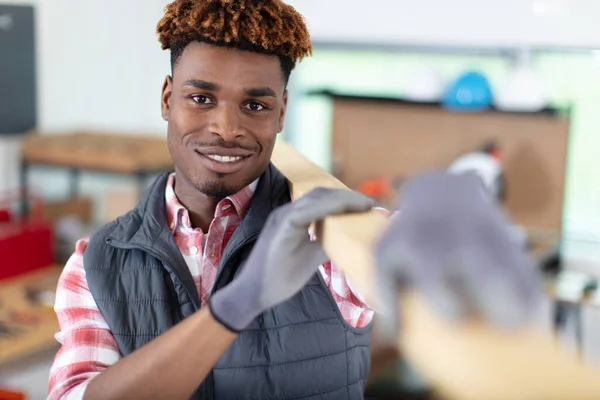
[225,122]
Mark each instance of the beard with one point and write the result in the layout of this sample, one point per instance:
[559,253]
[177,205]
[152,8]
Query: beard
[219,189]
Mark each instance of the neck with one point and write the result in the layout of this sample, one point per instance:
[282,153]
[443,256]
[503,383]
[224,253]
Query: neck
[200,206]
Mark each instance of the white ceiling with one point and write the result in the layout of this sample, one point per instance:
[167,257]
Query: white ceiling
[489,23]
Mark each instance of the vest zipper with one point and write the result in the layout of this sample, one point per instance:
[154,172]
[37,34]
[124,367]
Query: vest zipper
[210,387]
[249,239]
[210,383]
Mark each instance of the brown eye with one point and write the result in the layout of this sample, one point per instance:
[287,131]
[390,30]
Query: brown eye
[200,99]
[253,106]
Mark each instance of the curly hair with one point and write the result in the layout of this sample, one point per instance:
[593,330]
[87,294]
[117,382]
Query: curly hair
[263,26]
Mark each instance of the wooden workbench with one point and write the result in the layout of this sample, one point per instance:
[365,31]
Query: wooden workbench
[139,156]
[108,152]
[26,312]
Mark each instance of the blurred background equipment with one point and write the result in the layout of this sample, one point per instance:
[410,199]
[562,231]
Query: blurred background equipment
[18,83]
[76,153]
[382,189]
[471,91]
[106,152]
[524,89]
[26,241]
[6,394]
[19,86]
[424,84]
[27,319]
[404,138]
[486,163]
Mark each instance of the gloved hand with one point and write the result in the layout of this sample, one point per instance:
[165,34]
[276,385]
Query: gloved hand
[284,258]
[450,242]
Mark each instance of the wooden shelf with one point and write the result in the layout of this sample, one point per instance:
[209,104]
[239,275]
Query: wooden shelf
[548,111]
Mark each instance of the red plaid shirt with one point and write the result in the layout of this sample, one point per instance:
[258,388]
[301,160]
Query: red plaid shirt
[88,346]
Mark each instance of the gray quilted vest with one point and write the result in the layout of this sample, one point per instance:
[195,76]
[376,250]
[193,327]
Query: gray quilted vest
[300,349]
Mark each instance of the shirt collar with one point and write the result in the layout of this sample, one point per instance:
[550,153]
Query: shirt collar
[178,215]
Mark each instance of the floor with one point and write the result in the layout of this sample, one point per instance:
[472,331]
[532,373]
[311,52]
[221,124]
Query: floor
[31,375]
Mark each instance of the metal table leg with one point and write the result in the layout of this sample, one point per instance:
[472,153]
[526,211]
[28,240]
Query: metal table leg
[24,181]
[74,183]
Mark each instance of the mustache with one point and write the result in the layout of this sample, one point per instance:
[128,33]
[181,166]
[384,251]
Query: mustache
[226,145]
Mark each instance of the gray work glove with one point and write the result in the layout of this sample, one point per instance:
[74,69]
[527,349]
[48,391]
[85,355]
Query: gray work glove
[451,243]
[284,258]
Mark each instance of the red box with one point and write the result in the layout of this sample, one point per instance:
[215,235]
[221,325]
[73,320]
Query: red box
[26,243]
[6,394]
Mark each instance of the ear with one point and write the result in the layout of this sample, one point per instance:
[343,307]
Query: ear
[167,90]
[282,113]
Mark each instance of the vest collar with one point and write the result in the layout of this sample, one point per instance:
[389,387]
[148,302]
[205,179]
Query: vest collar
[146,227]
[272,191]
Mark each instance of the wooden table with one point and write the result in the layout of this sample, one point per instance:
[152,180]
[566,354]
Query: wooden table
[137,155]
[30,322]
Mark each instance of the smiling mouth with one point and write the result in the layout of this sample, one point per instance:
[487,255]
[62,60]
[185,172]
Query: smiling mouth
[223,163]
[224,159]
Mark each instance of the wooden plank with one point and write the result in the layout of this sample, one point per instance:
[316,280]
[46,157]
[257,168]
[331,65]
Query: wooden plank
[466,361]
[31,324]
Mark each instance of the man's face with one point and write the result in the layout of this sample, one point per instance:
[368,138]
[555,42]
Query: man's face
[224,109]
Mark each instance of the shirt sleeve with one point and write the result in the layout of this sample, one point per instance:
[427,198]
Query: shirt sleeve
[87,344]
[350,302]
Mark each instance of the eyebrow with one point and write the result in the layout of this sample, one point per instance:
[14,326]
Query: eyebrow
[253,92]
[260,92]
[200,84]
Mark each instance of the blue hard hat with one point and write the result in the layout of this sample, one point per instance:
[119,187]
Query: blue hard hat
[470,91]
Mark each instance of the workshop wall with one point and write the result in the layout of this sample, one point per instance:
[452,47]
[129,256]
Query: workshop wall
[99,66]
[571,80]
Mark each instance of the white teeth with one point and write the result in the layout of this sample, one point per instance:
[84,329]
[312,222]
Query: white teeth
[223,159]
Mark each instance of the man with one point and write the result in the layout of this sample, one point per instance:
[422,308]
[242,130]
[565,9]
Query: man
[181,297]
